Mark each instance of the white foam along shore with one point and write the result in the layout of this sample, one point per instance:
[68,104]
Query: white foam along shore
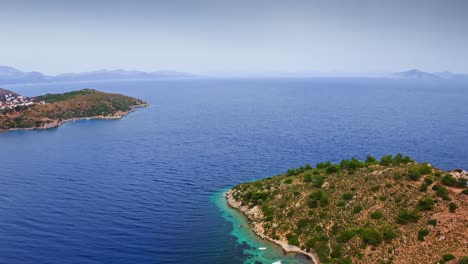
[258,230]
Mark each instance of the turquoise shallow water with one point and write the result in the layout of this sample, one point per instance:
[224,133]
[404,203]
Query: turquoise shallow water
[142,189]
[245,236]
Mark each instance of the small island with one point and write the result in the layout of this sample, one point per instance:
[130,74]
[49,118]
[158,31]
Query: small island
[52,110]
[392,210]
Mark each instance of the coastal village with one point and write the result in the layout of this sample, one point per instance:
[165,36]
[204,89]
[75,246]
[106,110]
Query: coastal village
[10,101]
[52,110]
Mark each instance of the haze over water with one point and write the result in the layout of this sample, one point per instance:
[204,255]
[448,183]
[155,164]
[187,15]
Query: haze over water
[143,189]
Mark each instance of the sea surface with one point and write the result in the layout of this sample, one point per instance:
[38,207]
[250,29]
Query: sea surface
[148,188]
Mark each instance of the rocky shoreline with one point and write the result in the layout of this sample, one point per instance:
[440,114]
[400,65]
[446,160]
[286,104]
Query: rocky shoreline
[58,123]
[258,229]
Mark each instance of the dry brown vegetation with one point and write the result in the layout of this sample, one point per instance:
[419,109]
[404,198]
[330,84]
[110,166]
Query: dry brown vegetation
[60,107]
[388,211]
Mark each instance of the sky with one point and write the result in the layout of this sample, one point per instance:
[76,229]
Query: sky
[222,37]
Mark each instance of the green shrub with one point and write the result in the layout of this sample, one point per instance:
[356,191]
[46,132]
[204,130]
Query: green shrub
[432,222]
[428,180]
[422,233]
[448,257]
[452,207]
[308,166]
[397,176]
[323,165]
[347,234]
[371,160]
[426,204]
[302,223]
[375,188]
[399,159]
[317,181]
[297,171]
[376,215]
[386,160]
[357,209]
[414,174]
[336,251]
[371,237]
[347,196]
[318,197]
[441,191]
[423,187]
[449,180]
[406,216]
[268,213]
[424,169]
[307,177]
[389,233]
[407,159]
[333,169]
[288,181]
[462,182]
[256,196]
[465,192]
[341,203]
[352,164]
[293,239]
[463,260]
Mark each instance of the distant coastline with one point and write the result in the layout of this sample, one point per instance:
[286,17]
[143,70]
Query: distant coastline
[57,123]
[53,110]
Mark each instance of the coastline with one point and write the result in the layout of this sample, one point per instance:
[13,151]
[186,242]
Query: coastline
[57,123]
[257,229]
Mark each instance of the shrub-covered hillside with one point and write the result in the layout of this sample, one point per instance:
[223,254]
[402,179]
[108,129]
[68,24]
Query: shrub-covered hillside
[391,210]
[54,108]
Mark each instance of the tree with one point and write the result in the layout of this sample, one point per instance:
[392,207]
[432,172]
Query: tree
[386,160]
[333,168]
[371,160]
[293,239]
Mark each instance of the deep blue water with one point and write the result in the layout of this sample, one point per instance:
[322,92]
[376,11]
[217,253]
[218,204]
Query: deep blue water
[140,189]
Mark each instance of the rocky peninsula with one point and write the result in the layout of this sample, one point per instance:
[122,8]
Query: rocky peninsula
[52,110]
[392,210]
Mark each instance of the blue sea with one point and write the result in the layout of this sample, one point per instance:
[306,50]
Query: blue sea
[148,188]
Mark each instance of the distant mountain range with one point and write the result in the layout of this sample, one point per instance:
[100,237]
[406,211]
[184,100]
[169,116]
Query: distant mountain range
[417,74]
[10,75]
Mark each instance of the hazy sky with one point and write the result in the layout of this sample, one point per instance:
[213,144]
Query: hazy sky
[218,37]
